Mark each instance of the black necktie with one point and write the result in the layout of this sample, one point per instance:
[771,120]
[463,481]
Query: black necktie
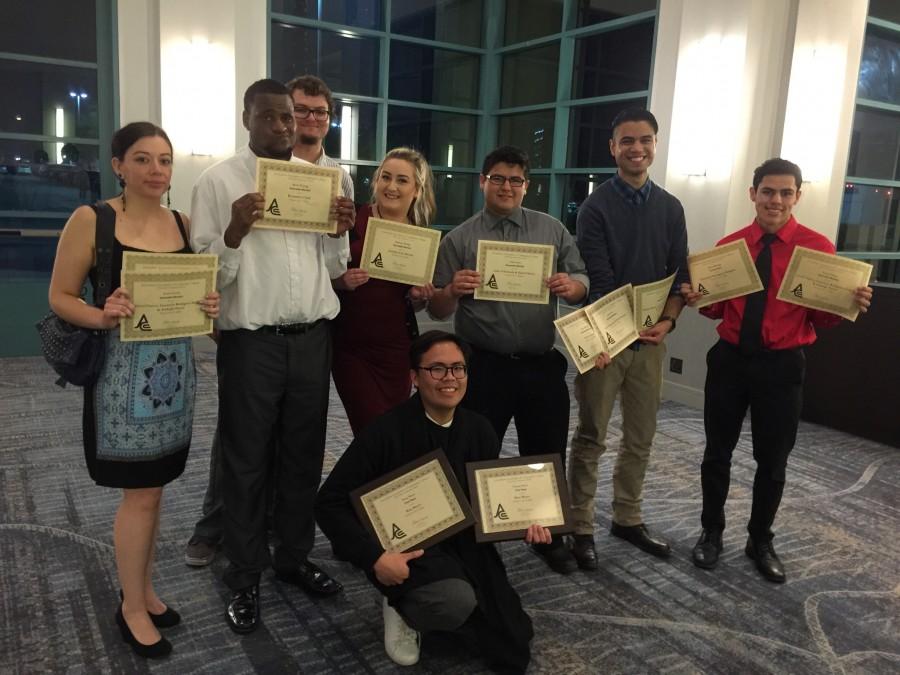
[751,325]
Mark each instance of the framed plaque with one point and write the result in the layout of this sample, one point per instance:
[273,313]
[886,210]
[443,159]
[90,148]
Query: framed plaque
[415,505]
[298,195]
[513,493]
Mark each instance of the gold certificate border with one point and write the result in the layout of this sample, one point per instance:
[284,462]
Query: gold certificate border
[784,294]
[479,486]
[435,462]
[546,251]
[403,230]
[127,330]
[264,165]
[135,261]
[646,289]
[749,267]
[583,364]
[596,307]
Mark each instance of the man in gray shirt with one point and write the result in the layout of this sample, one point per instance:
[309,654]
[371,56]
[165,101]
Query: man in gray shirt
[515,373]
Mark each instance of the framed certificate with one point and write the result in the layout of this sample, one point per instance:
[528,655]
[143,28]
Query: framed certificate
[414,506]
[298,196]
[165,290]
[613,318]
[397,252]
[512,272]
[723,272]
[580,338]
[510,494]
[649,301]
[824,281]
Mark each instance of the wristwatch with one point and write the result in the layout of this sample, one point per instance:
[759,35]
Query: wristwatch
[666,317]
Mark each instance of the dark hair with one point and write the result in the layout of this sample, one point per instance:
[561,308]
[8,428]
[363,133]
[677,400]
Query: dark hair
[430,338]
[633,115]
[311,86]
[264,86]
[130,134]
[777,167]
[507,154]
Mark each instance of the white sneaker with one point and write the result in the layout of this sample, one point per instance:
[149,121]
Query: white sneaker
[400,641]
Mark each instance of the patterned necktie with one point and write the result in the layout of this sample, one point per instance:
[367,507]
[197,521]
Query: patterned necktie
[751,324]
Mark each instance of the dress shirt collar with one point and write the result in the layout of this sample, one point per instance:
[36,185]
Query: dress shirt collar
[493,220]
[629,194]
[785,233]
[249,157]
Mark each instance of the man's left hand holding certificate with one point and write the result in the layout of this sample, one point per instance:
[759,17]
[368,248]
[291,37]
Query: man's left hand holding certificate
[167,290]
[297,196]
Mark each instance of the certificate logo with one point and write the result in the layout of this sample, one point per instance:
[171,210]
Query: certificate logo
[648,322]
[143,323]
[701,289]
[610,340]
[273,208]
[377,261]
[583,354]
[797,291]
[501,513]
[492,282]
[396,532]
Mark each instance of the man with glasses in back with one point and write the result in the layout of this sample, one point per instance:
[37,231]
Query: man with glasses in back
[516,372]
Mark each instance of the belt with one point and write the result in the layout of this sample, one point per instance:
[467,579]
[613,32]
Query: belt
[290,328]
[518,356]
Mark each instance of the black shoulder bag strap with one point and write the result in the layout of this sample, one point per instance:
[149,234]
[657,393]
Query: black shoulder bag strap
[103,244]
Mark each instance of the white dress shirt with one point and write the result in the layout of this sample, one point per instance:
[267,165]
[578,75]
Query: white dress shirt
[274,276]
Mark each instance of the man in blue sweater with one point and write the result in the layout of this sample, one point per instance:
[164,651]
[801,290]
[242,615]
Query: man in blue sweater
[630,230]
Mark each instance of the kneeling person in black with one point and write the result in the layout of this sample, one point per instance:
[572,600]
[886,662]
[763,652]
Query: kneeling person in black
[457,585]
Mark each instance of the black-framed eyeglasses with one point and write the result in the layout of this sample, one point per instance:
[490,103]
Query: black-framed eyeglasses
[319,114]
[500,179]
[439,372]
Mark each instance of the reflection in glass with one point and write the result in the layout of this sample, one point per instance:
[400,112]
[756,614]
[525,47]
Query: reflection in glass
[30,258]
[879,70]
[361,13]
[435,76]
[529,19]
[446,139]
[575,191]
[532,132]
[875,145]
[590,130]
[354,128]
[613,62]
[529,76]
[348,64]
[889,10]
[870,219]
[596,11]
[454,21]
[51,176]
[538,195]
[362,181]
[66,29]
[453,193]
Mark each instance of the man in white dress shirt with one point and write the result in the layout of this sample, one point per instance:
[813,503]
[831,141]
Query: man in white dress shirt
[273,359]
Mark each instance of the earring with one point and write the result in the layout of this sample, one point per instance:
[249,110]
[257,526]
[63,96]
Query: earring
[169,197]
[123,201]
[121,180]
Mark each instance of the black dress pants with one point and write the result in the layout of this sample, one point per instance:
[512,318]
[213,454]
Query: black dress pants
[771,385]
[271,387]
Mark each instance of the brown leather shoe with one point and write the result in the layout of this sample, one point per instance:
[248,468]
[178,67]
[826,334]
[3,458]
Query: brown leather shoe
[584,552]
[640,537]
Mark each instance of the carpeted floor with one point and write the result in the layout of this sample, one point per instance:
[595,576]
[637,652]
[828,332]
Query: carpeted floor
[836,533]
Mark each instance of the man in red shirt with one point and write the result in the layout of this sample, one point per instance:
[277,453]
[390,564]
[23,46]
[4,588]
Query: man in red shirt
[759,362]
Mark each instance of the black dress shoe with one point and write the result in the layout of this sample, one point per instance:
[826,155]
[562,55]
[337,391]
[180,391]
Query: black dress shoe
[167,619]
[242,612]
[158,650]
[557,556]
[640,537]
[707,549]
[311,578]
[767,562]
[584,552]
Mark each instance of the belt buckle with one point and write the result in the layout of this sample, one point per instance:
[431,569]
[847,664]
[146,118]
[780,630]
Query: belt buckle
[278,330]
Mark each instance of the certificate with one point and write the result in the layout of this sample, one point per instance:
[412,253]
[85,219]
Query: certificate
[513,272]
[582,341]
[613,319]
[298,196]
[824,281]
[723,272]
[414,506]
[397,252]
[649,301]
[165,290]
[510,494]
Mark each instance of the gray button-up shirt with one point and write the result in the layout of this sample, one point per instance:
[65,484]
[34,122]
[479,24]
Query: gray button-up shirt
[507,327]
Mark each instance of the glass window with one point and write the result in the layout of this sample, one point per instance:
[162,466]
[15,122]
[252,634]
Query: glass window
[354,128]
[33,93]
[64,29]
[596,11]
[538,195]
[529,19]
[589,132]
[613,62]
[47,176]
[435,76]
[446,139]
[362,181]
[529,76]
[880,66]
[875,145]
[869,219]
[575,190]
[453,193]
[454,21]
[889,10]
[348,64]
[361,13]
[532,132]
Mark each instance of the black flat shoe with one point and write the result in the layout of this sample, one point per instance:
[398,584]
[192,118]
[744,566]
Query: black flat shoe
[640,537]
[167,619]
[311,578]
[158,650]
[242,611]
[557,556]
[705,553]
[584,552]
[767,562]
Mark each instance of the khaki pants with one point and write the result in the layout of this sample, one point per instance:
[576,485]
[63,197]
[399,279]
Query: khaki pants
[637,377]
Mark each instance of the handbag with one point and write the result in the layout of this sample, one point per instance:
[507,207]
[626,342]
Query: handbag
[76,353]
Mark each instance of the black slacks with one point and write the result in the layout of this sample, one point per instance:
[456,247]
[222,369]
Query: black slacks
[271,387]
[771,385]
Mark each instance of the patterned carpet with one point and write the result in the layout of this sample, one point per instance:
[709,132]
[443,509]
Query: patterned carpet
[837,535]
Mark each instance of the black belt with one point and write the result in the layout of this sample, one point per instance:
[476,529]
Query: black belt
[518,356]
[290,328]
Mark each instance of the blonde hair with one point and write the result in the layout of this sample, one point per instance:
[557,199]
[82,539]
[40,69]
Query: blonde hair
[423,208]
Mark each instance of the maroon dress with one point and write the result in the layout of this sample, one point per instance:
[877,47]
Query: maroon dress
[372,334]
